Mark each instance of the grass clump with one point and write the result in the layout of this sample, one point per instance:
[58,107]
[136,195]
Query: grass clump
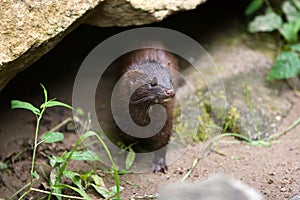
[80,181]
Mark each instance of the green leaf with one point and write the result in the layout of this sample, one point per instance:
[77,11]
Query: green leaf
[24,105]
[3,166]
[290,30]
[79,111]
[103,191]
[67,158]
[129,159]
[286,65]
[98,180]
[45,92]
[78,190]
[51,137]
[265,23]
[55,160]
[296,3]
[114,189]
[35,174]
[55,178]
[83,155]
[53,103]
[254,6]
[296,47]
[291,12]
[74,176]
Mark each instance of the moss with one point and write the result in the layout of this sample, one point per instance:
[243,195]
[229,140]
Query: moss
[231,121]
[188,132]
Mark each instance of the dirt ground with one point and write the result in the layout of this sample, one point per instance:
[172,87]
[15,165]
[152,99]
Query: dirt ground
[274,171]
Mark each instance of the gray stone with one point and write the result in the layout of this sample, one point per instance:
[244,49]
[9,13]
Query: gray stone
[137,12]
[267,103]
[214,188]
[259,113]
[296,197]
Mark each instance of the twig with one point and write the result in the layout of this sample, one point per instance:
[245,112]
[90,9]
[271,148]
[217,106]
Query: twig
[187,174]
[56,194]
[278,135]
[58,126]
[20,190]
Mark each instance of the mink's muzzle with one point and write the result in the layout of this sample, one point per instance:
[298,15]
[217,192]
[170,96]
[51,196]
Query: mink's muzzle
[153,95]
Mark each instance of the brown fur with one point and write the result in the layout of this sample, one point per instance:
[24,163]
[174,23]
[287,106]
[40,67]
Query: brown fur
[151,67]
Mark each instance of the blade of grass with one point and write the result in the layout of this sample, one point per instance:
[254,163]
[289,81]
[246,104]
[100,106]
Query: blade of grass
[61,195]
[20,190]
[79,191]
[277,135]
[190,170]
[114,167]
[249,103]
[68,158]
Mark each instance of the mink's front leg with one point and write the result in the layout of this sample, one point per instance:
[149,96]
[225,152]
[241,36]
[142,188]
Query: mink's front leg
[159,161]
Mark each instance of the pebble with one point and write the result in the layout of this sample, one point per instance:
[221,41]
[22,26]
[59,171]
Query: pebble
[278,118]
[283,189]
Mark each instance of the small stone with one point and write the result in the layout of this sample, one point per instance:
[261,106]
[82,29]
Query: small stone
[278,118]
[283,189]
[272,173]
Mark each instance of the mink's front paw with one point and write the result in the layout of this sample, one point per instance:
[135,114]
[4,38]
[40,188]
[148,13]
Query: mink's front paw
[159,165]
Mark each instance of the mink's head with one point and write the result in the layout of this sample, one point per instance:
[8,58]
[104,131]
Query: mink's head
[149,83]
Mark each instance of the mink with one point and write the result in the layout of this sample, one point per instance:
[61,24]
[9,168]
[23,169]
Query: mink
[153,70]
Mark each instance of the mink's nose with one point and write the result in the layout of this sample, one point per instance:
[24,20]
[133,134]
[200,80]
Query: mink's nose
[170,92]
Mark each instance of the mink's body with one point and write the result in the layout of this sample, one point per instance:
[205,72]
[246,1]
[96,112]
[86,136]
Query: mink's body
[153,71]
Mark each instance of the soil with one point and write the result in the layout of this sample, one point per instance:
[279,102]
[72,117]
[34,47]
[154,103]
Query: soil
[274,171]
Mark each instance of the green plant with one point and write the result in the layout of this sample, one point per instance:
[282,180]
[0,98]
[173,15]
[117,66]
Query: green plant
[82,181]
[59,163]
[48,137]
[287,63]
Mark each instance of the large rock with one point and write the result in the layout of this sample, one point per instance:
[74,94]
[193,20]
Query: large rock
[137,12]
[30,28]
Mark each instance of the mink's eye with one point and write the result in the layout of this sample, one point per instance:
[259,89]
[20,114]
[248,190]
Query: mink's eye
[153,82]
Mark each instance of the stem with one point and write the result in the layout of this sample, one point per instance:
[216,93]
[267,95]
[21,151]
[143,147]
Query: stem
[58,126]
[113,166]
[35,147]
[277,135]
[251,108]
[233,135]
[56,194]
[20,190]
[196,161]
[23,195]
[35,144]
